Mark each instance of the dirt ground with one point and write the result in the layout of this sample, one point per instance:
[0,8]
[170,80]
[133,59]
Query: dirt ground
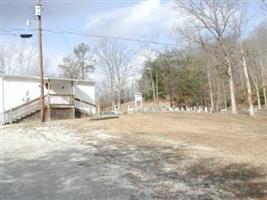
[138,156]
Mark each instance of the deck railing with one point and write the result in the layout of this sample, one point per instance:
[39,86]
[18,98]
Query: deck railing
[21,111]
[84,106]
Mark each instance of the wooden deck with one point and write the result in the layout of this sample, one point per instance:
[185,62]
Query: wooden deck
[56,104]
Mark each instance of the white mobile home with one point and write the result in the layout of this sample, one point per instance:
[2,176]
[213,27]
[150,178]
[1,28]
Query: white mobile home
[64,98]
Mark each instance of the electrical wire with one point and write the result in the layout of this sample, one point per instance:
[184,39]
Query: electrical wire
[9,34]
[57,25]
[98,36]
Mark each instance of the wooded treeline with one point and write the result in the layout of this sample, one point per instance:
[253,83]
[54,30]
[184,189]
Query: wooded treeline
[223,66]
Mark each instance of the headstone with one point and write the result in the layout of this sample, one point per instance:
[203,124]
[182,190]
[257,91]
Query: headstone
[187,109]
[176,109]
[170,109]
[130,109]
[114,106]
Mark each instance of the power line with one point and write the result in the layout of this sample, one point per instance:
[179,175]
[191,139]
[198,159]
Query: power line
[9,34]
[57,25]
[118,38]
[98,36]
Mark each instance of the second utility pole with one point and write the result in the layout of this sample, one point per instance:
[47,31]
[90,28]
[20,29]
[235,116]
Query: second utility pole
[38,10]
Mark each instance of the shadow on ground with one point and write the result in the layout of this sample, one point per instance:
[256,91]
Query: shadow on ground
[240,179]
[129,172]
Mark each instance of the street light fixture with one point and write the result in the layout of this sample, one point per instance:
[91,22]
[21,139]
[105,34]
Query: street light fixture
[25,35]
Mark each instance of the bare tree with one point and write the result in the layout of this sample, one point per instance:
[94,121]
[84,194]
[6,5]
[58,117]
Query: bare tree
[259,57]
[211,26]
[115,61]
[244,64]
[19,58]
[208,65]
[79,64]
[70,68]
[84,62]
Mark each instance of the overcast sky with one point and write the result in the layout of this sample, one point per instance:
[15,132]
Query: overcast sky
[151,19]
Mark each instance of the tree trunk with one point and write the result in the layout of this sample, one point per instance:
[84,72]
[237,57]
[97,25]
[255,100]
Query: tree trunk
[112,89]
[119,98]
[218,103]
[231,79]
[153,86]
[201,100]
[169,84]
[248,86]
[83,76]
[232,88]
[211,92]
[256,85]
[258,95]
[263,85]
[265,97]
[224,95]
[157,89]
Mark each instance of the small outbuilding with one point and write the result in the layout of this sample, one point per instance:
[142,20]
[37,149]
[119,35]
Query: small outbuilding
[64,98]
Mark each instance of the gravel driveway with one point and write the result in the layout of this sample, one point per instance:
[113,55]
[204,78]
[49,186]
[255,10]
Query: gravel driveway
[54,162]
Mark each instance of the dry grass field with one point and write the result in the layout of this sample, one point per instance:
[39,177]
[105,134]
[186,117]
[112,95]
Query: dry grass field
[139,156]
[239,137]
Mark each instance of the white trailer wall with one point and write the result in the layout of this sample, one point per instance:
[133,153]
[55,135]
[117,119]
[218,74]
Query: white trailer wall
[60,87]
[18,91]
[1,100]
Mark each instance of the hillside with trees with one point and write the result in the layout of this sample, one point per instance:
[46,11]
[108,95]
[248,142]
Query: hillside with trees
[224,65]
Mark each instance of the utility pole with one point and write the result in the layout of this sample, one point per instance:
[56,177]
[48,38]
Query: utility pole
[38,10]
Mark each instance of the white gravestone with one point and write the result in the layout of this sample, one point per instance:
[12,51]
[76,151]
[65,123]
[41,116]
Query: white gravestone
[130,108]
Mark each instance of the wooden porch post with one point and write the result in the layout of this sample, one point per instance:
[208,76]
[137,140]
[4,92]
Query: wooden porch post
[72,90]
